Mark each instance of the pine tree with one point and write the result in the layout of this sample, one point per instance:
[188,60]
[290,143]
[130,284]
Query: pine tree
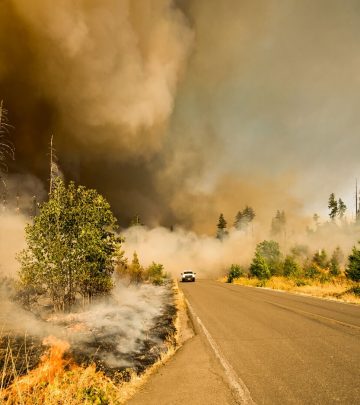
[333,206]
[238,223]
[341,208]
[243,218]
[353,269]
[278,223]
[221,228]
[136,271]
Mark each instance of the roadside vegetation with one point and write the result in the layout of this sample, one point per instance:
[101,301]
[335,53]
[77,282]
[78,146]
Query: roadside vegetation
[330,274]
[70,273]
[318,273]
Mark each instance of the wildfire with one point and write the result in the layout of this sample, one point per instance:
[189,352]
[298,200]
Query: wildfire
[52,365]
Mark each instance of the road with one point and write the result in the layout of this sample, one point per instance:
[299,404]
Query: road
[285,348]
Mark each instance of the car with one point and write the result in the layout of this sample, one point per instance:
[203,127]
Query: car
[188,275]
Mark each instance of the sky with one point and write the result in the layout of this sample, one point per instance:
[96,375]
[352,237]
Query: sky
[179,110]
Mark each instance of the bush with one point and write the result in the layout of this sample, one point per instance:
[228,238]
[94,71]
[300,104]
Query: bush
[155,273]
[312,270]
[259,267]
[269,250]
[235,271]
[290,267]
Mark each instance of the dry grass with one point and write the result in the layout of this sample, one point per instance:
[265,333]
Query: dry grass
[337,289]
[57,380]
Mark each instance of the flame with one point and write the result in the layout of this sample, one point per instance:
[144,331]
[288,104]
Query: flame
[52,365]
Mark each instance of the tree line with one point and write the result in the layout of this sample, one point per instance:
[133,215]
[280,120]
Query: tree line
[299,264]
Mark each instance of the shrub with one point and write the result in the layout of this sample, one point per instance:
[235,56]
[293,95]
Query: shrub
[235,271]
[290,267]
[320,259]
[269,250]
[155,273]
[312,270]
[259,267]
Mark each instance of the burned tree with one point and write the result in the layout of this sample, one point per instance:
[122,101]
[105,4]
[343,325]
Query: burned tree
[72,247]
[7,149]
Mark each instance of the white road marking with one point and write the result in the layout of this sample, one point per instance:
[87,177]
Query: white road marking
[234,380]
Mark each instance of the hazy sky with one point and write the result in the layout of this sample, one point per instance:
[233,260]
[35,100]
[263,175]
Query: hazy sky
[180,110]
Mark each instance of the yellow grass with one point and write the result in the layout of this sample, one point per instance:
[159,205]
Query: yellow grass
[336,289]
[59,381]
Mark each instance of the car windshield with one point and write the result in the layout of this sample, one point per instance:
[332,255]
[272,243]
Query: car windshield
[188,272]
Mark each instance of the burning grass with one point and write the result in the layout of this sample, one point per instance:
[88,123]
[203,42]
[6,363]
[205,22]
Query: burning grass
[337,289]
[97,362]
[58,380]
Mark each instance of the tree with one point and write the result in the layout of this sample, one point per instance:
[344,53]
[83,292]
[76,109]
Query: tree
[235,271]
[259,267]
[136,221]
[353,269]
[239,220]
[7,149]
[316,218]
[221,228]
[278,223]
[72,246]
[333,206]
[341,208]
[291,268]
[136,271]
[320,258]
[243,218]
[269,250]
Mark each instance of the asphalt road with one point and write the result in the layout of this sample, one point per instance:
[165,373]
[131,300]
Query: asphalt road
[285,348]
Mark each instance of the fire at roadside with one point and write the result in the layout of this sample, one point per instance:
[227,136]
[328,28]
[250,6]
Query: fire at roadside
[125,334]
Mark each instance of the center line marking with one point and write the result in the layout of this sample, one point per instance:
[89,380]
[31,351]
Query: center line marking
[234,380]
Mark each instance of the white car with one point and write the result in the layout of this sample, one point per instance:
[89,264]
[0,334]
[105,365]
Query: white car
[188,275]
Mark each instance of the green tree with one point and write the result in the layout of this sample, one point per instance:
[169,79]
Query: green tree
[336,259]
[221,228]
[259,267]
[269,250]
[235,271]
[155,273]
[320,258]
[353,269]
[290,267]
[341,208]
[136,271]
[244,218]
[333,206]
[239,220]
[72,246]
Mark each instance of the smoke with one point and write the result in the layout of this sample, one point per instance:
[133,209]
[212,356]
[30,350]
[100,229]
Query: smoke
[116,331]
[109,69]
[163,102]
[210,258]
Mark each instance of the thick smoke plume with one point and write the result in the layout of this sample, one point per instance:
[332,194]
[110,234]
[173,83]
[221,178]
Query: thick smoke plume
[159,102]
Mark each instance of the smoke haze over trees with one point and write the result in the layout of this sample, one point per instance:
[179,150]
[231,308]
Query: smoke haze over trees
[157,111]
